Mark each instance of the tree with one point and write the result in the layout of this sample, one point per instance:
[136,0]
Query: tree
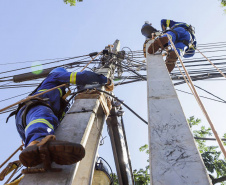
[72,2]
[210,154]
[223,2]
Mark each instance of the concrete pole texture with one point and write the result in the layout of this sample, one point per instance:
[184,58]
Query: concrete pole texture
[174,157]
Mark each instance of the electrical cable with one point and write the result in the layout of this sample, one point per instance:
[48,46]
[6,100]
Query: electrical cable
[69,64]
[114,98]
[14,96]
[124,105]
[201,96]
[44,60]
[210,93]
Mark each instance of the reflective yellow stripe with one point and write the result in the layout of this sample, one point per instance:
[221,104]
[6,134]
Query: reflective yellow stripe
[178,24]
[48,89]
[42,90]
[167,23]
[73,78]
[39,121]
[60,92]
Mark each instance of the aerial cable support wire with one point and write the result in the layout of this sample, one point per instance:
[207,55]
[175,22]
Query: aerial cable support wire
[198,99]
[212,63]
[34,96]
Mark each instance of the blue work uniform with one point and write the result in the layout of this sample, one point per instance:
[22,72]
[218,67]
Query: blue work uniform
[42,120]
[183,40]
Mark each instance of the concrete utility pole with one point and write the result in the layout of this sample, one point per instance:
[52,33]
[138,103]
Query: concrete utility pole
[174,157]
[82,124]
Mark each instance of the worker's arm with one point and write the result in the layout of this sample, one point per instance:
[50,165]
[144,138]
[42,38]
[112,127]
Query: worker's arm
[79,78]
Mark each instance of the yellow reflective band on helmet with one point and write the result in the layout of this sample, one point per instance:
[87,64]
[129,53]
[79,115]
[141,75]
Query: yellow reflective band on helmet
[73,78]
[167,23]
[60,92]
[39,121]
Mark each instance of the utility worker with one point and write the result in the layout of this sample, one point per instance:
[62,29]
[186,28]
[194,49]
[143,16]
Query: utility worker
[182,35]
[37,119]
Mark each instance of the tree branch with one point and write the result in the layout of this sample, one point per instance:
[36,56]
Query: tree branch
[221,179]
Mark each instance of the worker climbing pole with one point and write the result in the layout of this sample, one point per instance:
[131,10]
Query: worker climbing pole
[170,139]
[78,134]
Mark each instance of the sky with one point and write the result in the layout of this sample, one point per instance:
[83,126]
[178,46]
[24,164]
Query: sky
[35,30]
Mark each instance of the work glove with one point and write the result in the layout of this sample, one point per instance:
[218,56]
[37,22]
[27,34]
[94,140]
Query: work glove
[110,85]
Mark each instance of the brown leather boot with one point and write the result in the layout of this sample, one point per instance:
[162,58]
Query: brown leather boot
[161,42]
[171,60]
[60,152]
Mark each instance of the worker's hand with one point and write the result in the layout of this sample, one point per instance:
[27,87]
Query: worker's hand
[110,85]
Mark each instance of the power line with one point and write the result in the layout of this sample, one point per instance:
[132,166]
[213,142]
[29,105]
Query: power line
[43,60]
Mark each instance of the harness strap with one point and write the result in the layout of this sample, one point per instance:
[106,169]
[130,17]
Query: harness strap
[29,105]
[173,32]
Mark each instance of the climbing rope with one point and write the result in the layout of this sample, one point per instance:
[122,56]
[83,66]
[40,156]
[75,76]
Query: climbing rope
[212,63]
[220,143]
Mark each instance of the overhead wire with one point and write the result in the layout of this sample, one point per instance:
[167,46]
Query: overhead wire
[201,96]
[14,97]
[67,65]
[9,63]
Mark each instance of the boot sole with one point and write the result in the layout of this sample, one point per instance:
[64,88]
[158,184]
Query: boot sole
[154,47]
[63,153]
[161,42]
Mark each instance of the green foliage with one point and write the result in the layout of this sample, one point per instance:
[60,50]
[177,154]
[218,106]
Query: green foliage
[210,154]
[115,179]
[72,2]
[143,148]
[141,176]
[223,2]
[192,121]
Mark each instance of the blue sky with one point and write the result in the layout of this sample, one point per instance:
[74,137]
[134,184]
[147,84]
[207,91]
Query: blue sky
[31,30]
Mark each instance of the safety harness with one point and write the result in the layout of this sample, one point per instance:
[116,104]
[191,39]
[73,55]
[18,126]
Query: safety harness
[186,27]
[39,101]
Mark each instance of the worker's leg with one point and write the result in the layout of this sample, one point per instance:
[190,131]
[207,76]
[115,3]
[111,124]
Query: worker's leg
[172,56]
[41,123]
[161,42]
